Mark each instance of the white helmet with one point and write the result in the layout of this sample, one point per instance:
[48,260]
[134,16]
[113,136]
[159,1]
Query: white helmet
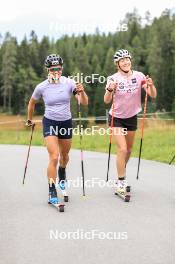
[120,54]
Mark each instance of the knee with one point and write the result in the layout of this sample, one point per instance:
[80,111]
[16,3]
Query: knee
[129,151]
[54,159]
[64,157]
[123,150]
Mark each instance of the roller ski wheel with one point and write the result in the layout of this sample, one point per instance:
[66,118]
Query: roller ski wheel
[61,208]
[128,189]
[66,199]
[127,198]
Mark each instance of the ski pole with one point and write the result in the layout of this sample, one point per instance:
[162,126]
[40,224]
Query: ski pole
[172,160]
[33,126]
[81,148]
[142,132]
[111,134]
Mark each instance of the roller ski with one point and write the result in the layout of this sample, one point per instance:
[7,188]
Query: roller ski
[53,199]
[62,183]
[123,190]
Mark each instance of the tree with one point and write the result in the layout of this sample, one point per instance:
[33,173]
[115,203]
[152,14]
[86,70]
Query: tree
[161,59]
[109,64]
[8,71]
[151,42]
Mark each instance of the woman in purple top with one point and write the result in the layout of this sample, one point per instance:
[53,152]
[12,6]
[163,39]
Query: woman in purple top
[127,85]
[56,92]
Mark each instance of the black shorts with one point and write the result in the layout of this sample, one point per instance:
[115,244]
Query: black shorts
[129,123]
[60,129]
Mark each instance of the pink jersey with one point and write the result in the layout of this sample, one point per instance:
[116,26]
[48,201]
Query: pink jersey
[128,94]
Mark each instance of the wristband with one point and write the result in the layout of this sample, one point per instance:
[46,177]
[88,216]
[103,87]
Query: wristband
[109,90]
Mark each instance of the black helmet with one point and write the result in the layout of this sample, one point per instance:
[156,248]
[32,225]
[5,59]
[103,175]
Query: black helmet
[53,60]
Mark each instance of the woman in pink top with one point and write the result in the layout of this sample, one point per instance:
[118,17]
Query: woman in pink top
[124,88]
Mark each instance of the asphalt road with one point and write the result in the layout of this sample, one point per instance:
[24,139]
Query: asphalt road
[98,229]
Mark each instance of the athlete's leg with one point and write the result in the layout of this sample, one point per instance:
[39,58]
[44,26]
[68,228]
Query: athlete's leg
[64,148]
[129,141]
[53,151]
[121,152]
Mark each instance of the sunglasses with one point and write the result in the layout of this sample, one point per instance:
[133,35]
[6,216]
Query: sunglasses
[55,69]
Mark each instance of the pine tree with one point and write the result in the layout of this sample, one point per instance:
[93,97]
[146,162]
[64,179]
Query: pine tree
[8,71]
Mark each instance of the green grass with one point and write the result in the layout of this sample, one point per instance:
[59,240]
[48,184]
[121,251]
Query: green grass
[158,143]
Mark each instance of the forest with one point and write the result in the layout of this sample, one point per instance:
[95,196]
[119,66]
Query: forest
[151,44]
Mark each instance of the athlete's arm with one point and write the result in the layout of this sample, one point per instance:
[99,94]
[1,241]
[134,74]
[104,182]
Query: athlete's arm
[109,92]
[31,108]
[150,88]
[79,91]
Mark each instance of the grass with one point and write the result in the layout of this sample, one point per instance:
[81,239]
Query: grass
[158,143]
